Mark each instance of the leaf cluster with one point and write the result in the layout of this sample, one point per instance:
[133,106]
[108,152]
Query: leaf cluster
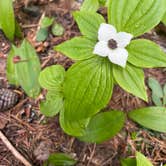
[88,84]
[46,24]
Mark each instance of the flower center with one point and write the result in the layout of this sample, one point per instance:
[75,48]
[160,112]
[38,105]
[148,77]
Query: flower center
[112,44]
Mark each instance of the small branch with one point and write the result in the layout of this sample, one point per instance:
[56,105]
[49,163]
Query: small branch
[13,150]
[92,154]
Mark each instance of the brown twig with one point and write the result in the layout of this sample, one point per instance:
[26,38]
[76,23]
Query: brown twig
[92,154]
[23,123]
[13,150]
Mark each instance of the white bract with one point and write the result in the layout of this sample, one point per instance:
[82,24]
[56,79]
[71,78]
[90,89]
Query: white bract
[112,44]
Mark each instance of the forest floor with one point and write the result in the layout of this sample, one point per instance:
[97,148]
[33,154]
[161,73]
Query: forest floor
[35,136]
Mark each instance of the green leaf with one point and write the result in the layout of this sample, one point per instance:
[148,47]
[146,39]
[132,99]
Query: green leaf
[52,78]
[53,104]
[164,19]
[78,48]
[157,92]
[103,2]
[135,16]
[28,69]
[18,32]
[128,162]
[73,127]
[103,126]
[42,34]
[60,159]
[7,19]
[57,29]
[155,87]
[10,72]
[46,22]
[88,26]
[131,79]
[151,117]
[146,54]
[90,5]
[142,160]
[156,100]
[87,88]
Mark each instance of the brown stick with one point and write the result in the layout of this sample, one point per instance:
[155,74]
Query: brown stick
[13,150]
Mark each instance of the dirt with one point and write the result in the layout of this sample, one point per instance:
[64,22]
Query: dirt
[36,136]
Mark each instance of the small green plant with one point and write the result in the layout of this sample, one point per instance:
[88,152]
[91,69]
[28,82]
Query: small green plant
[7,20]
[23,68]
[52,78]
[139,160]
[158,93]
[46,23]
[106,54]
[60,159]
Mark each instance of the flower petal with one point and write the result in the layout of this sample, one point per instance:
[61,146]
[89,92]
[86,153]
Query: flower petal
[118,56]
[106,32]
[101,48]
[123,39]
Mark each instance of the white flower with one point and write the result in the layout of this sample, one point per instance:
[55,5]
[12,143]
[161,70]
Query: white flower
[112,44]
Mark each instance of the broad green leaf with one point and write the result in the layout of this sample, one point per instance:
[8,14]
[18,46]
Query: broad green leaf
[52,78]
[60,159]
[87,88]
[146,54]
[151,117]
[28,69]
[135,16]
[90,5]
[46,22]
[57,29]
[53,104]
[103,126]
[131,79]
[142,160]
[128,162]
[78,48]
[73,127]
[164,19]
[155,87]
[42,34]
[89,23]
[10,72]
[7,19]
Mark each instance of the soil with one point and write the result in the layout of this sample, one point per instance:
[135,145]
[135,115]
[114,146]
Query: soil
[36,136]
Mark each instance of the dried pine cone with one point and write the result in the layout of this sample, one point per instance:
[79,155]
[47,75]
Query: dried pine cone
[8,99]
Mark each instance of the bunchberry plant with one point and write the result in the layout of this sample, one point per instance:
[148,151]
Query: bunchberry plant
[106,54]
